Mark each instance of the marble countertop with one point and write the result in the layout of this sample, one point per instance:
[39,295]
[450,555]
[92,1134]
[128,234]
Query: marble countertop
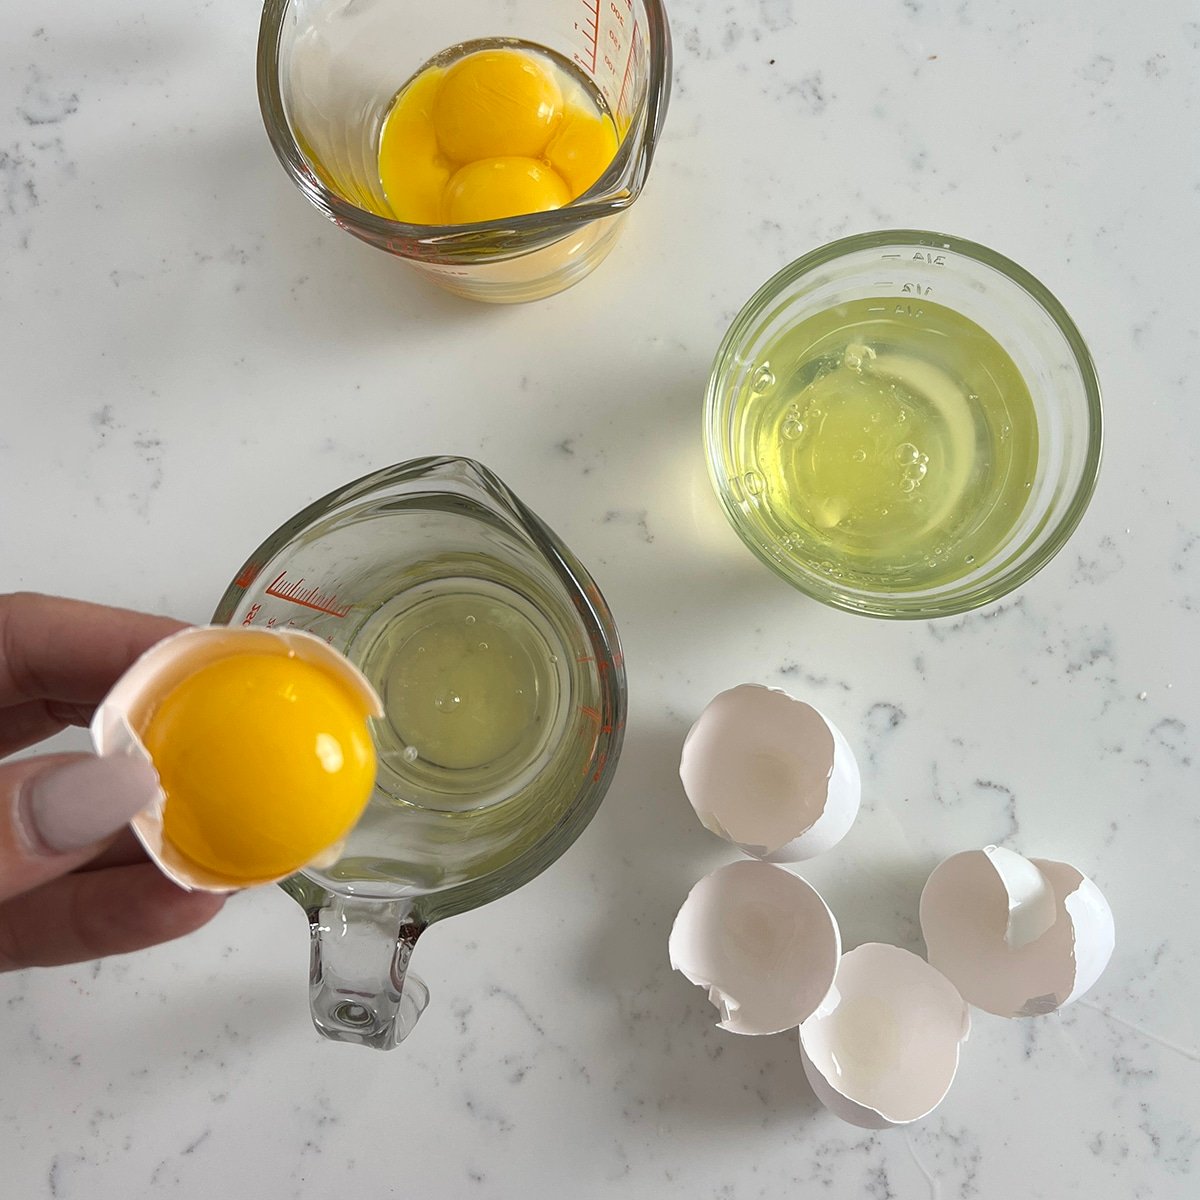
[191,353]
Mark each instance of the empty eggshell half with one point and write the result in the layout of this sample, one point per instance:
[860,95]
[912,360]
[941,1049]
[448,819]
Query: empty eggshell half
[770,774]
[166,664]
[1018,937]
[761,941]
[883,1049]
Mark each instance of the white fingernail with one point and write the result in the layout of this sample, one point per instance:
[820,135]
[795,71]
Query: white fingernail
[72,806]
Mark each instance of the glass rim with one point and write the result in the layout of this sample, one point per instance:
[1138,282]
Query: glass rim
[508,237]
[588,603]
[911,606]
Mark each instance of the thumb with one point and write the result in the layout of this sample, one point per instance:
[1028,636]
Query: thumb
[59,810]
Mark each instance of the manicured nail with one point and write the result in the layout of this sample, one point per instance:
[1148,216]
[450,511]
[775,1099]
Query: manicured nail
[69,807]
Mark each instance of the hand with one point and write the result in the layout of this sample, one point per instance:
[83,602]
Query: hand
[74,882]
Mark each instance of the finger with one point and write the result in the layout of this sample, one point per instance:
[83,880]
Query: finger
[35,720]
[122,851]
[96,913]
[57,811]
[57,649]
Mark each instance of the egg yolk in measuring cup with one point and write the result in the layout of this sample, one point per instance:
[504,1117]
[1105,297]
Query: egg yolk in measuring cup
[265,760]
[496,134]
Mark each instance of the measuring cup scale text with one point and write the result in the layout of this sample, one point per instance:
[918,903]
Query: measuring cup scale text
[503,690]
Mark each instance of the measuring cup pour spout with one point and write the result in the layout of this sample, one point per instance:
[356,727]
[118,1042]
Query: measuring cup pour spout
[360,990]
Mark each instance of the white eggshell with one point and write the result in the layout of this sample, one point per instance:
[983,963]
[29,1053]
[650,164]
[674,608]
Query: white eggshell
[884,1049]
[770,774]
[967,917]
[166,664]
[761,941]
[1031,904]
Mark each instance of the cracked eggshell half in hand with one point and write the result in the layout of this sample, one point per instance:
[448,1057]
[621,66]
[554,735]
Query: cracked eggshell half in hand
[761,941]
[883,1049]
[1018,937]
[262,748]
[770,774]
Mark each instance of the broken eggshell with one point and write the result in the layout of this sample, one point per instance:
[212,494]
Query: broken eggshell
[164,666]
[883,1049]
[770,774]
[1018,937]
[762,942]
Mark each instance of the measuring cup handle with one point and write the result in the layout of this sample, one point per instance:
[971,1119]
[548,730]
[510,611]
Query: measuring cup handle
[359,987]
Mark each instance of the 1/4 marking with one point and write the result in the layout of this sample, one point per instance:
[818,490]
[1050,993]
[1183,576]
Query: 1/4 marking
[307,597]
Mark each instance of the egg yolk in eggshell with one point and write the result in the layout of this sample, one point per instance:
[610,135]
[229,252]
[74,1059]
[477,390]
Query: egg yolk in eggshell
[491,136]
[264,760]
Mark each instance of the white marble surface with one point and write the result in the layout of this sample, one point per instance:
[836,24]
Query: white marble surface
[190,353]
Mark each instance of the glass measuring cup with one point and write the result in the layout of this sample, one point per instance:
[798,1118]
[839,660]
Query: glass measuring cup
[328,71]
[438,837]
[905,272]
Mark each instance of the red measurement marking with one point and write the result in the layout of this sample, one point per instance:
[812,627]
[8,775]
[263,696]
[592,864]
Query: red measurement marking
[595,7]
[306,597]
[246,575]
[633,49]
[595,716]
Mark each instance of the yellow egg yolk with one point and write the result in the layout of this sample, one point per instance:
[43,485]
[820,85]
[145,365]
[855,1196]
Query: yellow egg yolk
[501,187]
[265,760]
[413,172]
[494,104]
[582,147]
[487,138]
